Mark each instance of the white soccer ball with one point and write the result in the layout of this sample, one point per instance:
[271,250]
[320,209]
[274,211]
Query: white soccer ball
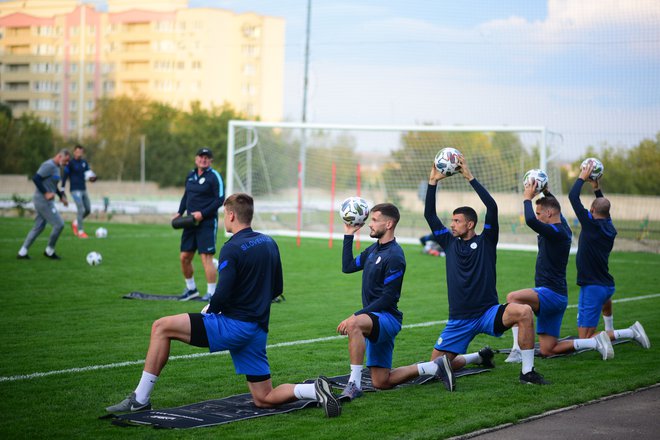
[94,259]
[354,211]
[446,161]
[598,170]
[537,175]
[90,175]
[101,232]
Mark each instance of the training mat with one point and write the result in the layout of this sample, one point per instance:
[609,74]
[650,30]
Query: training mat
[537,349]
[241,407]
[153,297]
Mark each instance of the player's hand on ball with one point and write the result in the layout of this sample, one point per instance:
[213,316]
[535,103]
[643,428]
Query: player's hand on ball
[352,229]
[530,190]
[436,175]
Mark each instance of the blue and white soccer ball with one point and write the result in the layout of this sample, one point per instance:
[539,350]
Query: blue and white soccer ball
[94,258]
[446,161]
[598,170]
[354,211]
[101,232]
[540,176]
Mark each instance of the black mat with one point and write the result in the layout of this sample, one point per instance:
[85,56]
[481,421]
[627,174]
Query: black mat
[537,349]
[152,297]
[241,407]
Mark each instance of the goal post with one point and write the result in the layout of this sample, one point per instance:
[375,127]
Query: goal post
[299,173]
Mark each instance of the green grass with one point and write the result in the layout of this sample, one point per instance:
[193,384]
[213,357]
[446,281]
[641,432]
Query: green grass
[58,315]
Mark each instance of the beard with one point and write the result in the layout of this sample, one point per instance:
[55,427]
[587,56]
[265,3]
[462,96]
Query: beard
[376,234]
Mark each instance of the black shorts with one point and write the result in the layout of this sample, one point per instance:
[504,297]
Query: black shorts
[201,238]
[198,336]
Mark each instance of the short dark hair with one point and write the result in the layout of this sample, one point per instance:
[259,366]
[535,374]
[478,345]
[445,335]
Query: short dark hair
[78,147]
[64,152]
[601,206]
[242,205]
[549,202]
[388,210]
[469,213]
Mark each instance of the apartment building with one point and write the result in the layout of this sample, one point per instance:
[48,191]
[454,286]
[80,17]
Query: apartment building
[58,57]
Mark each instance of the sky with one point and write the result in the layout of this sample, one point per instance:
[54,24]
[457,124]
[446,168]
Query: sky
[587,69]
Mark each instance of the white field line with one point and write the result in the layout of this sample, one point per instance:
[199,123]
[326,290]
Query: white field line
[280,344]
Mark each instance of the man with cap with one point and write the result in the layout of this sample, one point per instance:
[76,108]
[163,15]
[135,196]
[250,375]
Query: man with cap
[203,196]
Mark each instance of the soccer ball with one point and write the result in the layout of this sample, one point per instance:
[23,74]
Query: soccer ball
[94,258]
[354,211]
[541,179]
[446,161]
[90,175]
[101,232]
[598,170]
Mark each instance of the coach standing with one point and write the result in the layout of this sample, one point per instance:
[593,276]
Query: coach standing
[46,179]
[203,196]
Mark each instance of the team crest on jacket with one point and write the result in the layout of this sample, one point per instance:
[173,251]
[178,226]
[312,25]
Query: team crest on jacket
[473,245]
[378,260]
[202,180]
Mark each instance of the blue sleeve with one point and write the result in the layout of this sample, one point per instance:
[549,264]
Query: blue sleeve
[38,181]
[226,280]
[348,264]
[581,212]
[278,285]
[218,197]
[440,233]
[182,204]
[391,288]
[535,224]
[65,176]
[491,223]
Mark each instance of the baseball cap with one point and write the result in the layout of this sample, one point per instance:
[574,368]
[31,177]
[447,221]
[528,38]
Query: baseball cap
[204,152]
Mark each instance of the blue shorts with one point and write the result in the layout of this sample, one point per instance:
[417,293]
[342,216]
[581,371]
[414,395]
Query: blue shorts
[458,333]
[552,306]
[246,342]
[590,304]
[200,238]
[379,353]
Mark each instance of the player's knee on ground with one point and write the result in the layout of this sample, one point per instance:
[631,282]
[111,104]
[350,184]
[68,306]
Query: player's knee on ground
[381,383]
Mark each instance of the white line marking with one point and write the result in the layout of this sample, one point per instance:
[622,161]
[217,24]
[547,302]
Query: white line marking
[280,344]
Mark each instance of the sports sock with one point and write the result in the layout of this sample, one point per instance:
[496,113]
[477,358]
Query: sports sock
[589,343]
[624,334]
[426,368]
[190,284]
[356,375]
[144,388]
[210,288]
[609,323]
[305,391]
[22,251]
[514,331]
[472,358]
[527,360]
[50,251]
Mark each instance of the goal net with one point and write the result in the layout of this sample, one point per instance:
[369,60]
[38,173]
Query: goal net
[300,173]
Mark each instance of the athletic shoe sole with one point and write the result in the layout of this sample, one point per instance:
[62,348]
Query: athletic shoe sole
[326,398]
[640,335]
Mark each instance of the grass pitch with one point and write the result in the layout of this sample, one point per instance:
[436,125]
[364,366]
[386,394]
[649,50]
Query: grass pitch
[71,345]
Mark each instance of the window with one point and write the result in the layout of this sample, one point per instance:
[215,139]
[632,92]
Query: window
[90,86]
[249,69]
[251,31]
[89,105]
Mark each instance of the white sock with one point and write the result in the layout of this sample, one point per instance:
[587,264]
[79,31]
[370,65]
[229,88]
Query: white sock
[190,284]
[589,343]
[624,334]
[472,358]
[514,330]
[22,251]
[210,288]
[305,391]
[356,375]
[50,251]
[426,368]
[144,388]
[609,323]
[527,360]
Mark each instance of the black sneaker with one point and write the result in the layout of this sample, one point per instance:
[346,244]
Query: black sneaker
[487,354]
[188,295]
[52,256]
[533,378]
[23,257]
[445,373]
[326,398]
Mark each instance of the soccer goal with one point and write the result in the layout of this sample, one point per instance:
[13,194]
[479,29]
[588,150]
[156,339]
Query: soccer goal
[300,173]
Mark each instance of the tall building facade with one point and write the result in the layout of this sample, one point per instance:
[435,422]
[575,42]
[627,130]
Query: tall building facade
[58,57]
